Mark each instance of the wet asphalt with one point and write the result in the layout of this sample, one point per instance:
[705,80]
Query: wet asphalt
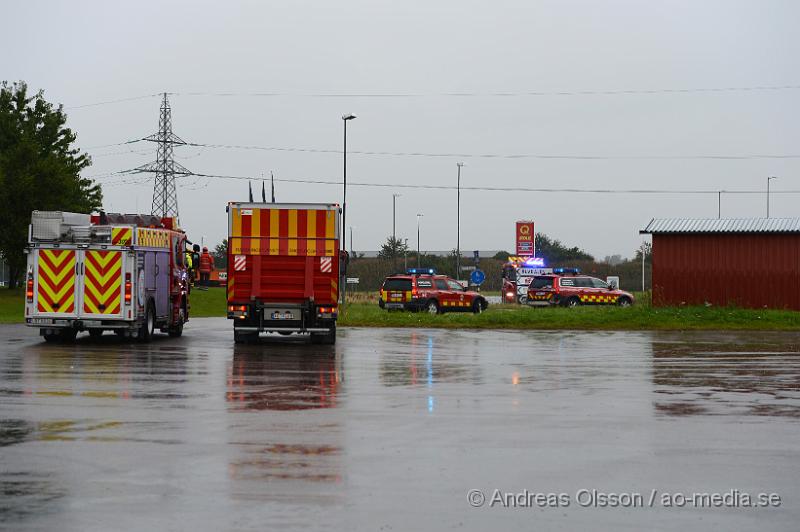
[391,429]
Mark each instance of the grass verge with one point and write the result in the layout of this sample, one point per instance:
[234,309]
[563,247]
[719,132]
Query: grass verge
[211,303]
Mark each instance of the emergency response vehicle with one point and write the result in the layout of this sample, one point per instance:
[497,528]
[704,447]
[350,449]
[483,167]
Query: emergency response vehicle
[517,275]
[421,289]
[283,269]
[119,272]
[568,288]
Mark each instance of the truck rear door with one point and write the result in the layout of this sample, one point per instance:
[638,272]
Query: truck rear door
[55,282]
[102,273]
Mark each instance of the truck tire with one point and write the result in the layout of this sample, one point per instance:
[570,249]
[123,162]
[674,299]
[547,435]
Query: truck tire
[328,338]
[240,337]
[572,302]
[176,330]
[95,333]
[149,324]
[624,302]
[432,307]
[51,338]
[478,306]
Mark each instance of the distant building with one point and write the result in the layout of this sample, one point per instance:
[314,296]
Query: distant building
[751,262]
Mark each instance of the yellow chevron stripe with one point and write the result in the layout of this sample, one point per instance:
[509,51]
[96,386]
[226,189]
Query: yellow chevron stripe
[53,278]
[57,258]
[99,279]
[57,296]
[102,260]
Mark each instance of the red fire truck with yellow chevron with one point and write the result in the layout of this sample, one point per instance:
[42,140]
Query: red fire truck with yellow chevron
[109,272]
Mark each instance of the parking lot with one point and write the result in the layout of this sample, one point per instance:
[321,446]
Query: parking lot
[396,429]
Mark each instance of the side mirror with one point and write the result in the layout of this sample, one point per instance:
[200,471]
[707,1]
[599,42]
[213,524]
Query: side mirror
[465,288]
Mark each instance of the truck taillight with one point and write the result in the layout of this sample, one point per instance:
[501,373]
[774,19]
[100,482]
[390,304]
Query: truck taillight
[237,308]
[128,288]
[29,288]
[326,310]
[414,292]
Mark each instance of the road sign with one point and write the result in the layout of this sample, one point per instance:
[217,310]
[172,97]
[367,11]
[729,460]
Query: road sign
[468,268]
[477,277]
[353,280]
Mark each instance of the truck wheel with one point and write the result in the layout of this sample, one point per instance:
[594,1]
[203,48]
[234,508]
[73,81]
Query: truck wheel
[244,337]
[51,338]
[477,306]
[573,302]
[624,302]
[176,330]
[328,338]
[95,333]
[149,325]
[522,299]
[432,307]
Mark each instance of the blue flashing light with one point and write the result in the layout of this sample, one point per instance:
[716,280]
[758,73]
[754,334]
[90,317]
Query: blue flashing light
[566,270]
[421,271]
[537,262]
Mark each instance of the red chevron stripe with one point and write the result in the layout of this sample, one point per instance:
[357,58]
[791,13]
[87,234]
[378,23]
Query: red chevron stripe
[45,257]
[104,288]
[92,258]
[45,281]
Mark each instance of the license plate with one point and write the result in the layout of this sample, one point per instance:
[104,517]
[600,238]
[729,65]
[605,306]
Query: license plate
[282,316]
[42,321]
[394,305]
[397,296]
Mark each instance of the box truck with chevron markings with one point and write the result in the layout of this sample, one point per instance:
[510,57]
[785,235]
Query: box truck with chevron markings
[283,269]
[109,272]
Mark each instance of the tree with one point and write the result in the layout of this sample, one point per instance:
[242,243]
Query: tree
[554,251]
[647,247]
[393,248]
[220,254]
[39,169]
[502,255]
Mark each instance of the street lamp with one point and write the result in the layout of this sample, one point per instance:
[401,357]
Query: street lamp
[419,215]
[768,180]
[394,215]
[345,119]
[458,223]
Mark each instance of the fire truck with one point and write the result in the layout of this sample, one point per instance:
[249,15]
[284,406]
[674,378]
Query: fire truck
[283,269]
[517,275]
[108,272]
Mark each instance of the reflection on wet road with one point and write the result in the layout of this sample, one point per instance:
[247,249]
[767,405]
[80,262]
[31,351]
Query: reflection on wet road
[390,429]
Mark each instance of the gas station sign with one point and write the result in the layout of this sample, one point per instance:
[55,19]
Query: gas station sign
[525,236]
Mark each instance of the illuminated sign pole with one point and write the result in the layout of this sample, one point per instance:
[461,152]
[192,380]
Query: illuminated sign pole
[525,239]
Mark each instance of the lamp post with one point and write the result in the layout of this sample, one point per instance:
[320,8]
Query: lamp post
[345,119]
[405,256]
[770,178]
[419,215]
[458,223]
[394,215]
[351,241]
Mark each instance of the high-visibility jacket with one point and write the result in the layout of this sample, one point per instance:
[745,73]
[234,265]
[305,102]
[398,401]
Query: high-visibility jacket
[206,262]
[189,263]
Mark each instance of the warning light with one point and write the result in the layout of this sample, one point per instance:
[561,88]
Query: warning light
[127,288]
[421,271]
[535,261]
[566,270]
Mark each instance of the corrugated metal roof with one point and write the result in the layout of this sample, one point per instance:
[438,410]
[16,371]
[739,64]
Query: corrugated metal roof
[722,225]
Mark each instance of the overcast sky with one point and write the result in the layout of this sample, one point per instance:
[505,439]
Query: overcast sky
[87,52]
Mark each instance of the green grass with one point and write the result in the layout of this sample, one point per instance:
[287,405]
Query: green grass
[583,318]
[208,303]
[211,303]
[12,305]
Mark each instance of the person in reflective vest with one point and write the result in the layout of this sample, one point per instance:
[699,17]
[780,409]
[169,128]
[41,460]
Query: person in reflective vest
[206,267]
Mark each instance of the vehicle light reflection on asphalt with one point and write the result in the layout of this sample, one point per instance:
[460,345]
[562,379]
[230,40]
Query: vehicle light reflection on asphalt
[430,373]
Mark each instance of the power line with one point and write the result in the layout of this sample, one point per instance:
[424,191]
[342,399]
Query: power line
[496,189]
[599,92]
[107,102]
[502,94]
[504,156]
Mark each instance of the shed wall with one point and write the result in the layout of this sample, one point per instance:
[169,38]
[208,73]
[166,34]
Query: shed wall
[745,270]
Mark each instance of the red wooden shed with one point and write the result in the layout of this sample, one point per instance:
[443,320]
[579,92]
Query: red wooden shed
[746,262]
